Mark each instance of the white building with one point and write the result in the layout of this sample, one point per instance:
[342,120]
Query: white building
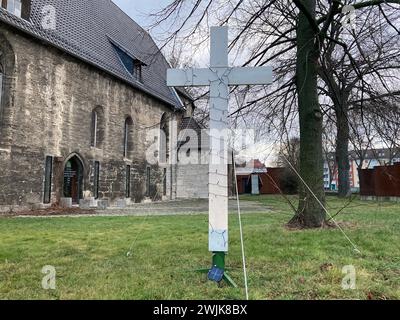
[371,159]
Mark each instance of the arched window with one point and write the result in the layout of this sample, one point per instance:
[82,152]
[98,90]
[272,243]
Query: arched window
[97,128]
[94,128]
[164,139]
[128,137]
[7,83]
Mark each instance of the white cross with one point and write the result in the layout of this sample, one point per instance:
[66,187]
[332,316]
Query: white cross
[219,77]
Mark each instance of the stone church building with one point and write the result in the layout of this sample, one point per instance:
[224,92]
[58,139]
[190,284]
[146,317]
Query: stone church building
[81,85]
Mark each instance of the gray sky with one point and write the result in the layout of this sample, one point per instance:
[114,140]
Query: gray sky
[139,9]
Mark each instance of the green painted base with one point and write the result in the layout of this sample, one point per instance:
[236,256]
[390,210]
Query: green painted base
[219,261]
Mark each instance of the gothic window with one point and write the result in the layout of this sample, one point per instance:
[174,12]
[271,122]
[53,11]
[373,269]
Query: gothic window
[164,139]
[128,137]
[7,60]
[96,179]
[97,128]
[48,172]
[94,128]
[128,182]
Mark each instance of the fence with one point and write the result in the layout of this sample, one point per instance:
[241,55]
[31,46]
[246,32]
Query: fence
[382,181]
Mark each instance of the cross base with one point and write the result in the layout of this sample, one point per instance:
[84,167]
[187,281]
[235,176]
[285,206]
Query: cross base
[218,261]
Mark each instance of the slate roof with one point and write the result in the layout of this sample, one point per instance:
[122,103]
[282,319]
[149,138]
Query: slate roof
[86,29]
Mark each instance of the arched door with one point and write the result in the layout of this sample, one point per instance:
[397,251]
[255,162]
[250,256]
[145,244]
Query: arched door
[73,179]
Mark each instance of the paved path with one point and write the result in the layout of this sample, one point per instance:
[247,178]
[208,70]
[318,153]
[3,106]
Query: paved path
[178,207]
[198,206]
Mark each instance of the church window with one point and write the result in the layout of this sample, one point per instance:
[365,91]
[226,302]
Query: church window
[94,128]
[96,179]
[128,182]
[97,127]
[47,179]
[164,139]
[13,6]
[128,137]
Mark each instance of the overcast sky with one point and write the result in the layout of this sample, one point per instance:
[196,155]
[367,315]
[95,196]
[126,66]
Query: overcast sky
[139,9]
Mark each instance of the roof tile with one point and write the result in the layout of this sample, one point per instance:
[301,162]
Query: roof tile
[84,29]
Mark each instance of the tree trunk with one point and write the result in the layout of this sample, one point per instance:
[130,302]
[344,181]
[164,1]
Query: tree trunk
[342,150]
[310,213]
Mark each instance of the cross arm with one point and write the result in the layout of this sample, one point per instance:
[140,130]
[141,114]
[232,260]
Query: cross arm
[188,77]
[250,76]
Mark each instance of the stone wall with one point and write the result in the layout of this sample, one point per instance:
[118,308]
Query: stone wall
[192,181]
[47,110]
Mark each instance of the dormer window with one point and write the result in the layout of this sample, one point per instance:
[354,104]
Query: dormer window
[132,65]
[137,70]
[13,6]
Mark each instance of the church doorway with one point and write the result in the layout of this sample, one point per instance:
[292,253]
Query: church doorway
[73,179]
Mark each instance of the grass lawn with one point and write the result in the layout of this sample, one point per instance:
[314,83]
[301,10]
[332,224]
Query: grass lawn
[90,256]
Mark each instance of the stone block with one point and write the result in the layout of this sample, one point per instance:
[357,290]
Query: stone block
[121,203]
[102,204]
[66,202]
[92,202]
[84,203]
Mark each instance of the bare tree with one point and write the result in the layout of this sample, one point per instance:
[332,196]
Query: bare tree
[362,136]
[388,131]
[329,144]
[362,60]
[294,37]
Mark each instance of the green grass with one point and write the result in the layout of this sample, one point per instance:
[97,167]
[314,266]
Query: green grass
[90,256]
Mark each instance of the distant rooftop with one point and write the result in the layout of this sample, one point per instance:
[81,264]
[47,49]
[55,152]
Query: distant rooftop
[370,154]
